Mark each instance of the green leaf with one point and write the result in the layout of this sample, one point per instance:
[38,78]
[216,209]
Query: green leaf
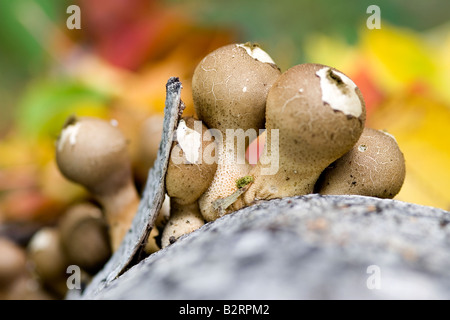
[46,106]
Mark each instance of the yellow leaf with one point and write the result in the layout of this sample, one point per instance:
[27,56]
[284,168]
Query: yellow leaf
[421,126]
[398,57]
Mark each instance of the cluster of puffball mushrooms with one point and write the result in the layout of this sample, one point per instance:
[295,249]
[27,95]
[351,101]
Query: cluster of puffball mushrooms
[322,145]
[39,273]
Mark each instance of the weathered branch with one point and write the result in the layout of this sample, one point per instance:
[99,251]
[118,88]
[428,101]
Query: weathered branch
[307,247]
[130,251]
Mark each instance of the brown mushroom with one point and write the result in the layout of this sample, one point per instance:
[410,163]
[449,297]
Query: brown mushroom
[93,153]
[374,167]
[229,88]
[16,279]
[12,262]
[188,176]
[84,237]
[48,259]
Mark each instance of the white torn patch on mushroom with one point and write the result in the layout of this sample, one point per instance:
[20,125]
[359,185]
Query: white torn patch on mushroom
[244,89]
[190,142]
[41,240]
[69,133]
[256,53]
[114,122]
[339,92]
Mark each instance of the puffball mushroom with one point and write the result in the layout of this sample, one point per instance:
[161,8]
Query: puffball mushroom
[16,280]
[188,176]
[84,237]
[12,262]
[48,259]
[93,153]
[320,114]
[375,167]
[229,88]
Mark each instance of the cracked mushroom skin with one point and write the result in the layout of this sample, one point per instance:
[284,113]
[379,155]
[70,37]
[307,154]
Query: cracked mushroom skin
[230,87]
[374,167]
[187,178]
[320,114]
[93,152]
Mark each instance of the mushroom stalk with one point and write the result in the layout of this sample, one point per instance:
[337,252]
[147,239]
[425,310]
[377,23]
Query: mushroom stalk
[230,168]
[184,218]
[289,180]
[120,208]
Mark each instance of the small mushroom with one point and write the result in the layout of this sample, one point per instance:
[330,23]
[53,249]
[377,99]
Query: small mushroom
[16,279]
[229,88]
[93,153]
[374,167]
[28,287]
[318,114]
[12,262]
[84,237]
[48,259]
[188,176]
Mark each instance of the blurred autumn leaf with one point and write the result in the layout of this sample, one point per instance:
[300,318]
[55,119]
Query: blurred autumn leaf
[117,66]
[47,105]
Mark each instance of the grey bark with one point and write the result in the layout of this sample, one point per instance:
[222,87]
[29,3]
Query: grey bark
[308,247]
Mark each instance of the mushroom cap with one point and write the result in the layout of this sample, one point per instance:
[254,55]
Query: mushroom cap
[93,153]
[188,180]
[230,87]
[375,167]
[46,254]
[319,111]
[12,262]
[84,237]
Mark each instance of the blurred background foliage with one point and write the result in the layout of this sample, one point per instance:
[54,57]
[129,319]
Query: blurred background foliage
[117,65]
